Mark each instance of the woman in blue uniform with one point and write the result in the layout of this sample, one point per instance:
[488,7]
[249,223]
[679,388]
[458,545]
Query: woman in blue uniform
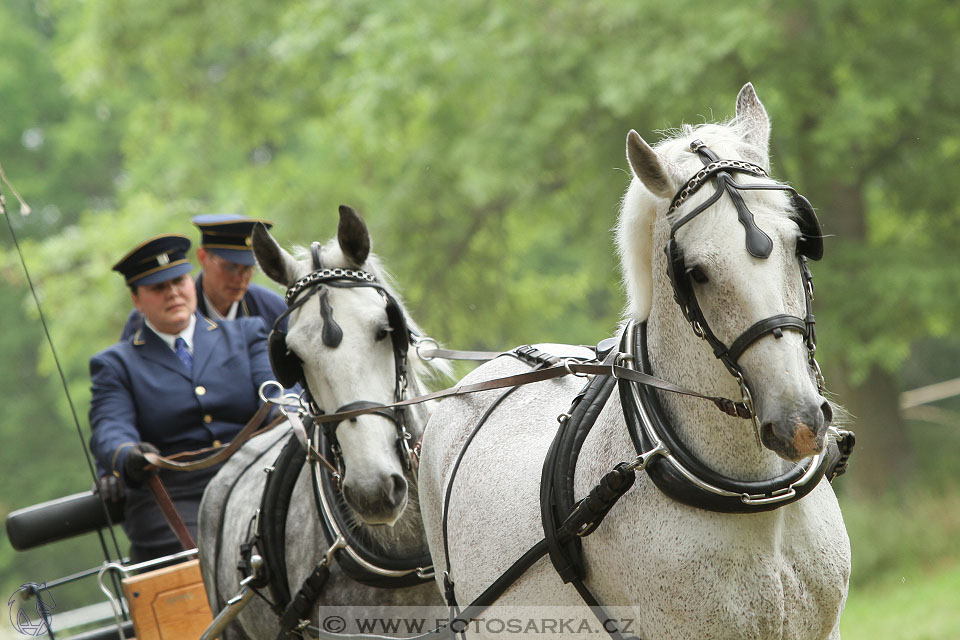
[181,382]
[224,289]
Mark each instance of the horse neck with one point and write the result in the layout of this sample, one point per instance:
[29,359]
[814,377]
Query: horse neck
[725,444]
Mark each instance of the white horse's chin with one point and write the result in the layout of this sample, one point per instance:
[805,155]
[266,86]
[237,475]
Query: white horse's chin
[384,523]
[386,519]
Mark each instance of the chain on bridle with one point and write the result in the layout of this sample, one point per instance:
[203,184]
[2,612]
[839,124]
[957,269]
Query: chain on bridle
[759,245]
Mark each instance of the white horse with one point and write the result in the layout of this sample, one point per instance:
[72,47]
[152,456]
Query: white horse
[683,572]
[348,345]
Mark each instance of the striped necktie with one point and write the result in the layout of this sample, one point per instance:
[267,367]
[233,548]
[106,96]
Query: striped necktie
[180,346]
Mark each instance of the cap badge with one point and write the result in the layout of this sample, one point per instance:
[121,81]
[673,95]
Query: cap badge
[163,258]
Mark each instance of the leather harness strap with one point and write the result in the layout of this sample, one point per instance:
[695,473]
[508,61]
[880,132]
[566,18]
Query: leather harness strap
[773,324]
[566,367]
[170,512]
[453,354]
[221,453]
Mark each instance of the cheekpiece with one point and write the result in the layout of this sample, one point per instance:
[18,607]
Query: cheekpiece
[159,259]
[228,235]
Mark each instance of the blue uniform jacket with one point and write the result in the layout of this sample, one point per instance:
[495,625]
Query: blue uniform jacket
[257,301]
[143,393]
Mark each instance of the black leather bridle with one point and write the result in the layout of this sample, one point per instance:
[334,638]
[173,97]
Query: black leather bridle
[288,367]
[759,245]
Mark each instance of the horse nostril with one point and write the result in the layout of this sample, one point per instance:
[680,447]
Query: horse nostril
[766,434]
[396,489]
[827,411]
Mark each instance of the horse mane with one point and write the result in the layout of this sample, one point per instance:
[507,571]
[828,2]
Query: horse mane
[639,208]
[332,256]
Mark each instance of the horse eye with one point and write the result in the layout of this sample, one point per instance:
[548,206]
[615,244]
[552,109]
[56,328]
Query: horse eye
[698,275]
[382,333]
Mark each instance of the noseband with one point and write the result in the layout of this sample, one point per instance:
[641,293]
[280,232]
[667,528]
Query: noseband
[288,367]
[758,245]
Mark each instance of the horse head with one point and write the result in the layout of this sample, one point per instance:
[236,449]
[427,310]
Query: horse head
[351,340]
[733,255]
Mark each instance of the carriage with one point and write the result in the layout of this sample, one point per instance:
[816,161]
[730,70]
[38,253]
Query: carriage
[535,486]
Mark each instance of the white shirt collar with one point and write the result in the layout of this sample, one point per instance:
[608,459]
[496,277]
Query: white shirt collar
[213,314]
[170,338]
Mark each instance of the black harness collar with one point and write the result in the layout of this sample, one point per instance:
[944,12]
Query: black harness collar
[682,476]
[565,521]
[354,555]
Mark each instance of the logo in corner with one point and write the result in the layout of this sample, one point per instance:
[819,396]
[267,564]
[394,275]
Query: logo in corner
[27,622]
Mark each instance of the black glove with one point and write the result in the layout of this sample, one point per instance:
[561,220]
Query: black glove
[109,488]
[135,463]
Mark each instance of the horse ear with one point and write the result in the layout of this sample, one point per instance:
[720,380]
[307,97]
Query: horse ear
[279,265]
[353,236]
[753,122]
[658,174]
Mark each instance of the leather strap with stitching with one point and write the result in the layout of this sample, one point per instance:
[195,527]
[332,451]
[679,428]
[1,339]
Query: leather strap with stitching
[762,328]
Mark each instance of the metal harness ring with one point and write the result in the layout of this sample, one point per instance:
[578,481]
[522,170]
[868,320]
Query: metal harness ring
[566,365]
[418,344]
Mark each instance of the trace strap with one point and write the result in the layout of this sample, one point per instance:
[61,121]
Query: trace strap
[566,367]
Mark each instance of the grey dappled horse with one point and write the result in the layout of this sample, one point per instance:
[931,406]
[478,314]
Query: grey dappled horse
[357,364]
[681,571]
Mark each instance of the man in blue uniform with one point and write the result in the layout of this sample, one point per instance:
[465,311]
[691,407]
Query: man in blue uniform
[181,382]
[224,290]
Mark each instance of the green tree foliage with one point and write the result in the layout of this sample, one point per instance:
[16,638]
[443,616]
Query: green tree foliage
[483,142]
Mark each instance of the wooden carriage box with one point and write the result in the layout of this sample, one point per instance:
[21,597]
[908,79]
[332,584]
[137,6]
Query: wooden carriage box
[169,603]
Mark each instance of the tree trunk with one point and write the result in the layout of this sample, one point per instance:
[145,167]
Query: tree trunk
[883,452]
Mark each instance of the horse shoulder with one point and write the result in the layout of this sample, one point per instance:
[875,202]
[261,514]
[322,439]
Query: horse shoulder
[501,466]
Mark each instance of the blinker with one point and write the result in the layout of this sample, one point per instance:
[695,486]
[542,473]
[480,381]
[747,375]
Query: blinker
[332,333]
[759,244]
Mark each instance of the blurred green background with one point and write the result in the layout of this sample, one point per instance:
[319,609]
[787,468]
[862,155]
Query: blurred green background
[483,142]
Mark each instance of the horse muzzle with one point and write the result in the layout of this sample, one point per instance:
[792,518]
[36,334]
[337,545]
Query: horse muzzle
[381,501]
[799,434]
